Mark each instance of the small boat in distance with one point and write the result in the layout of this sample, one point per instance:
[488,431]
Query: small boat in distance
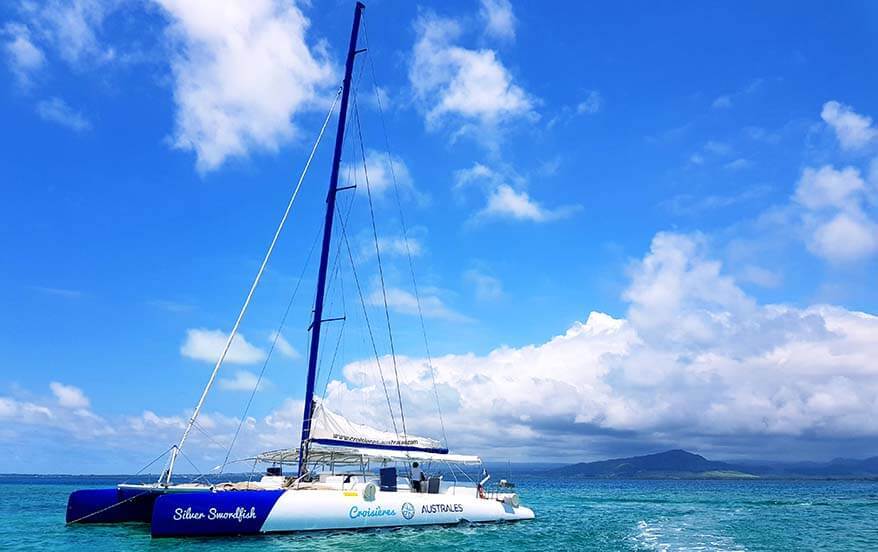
[343,475]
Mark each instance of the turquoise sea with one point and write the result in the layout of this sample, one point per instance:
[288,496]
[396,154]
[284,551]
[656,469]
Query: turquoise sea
[571,515]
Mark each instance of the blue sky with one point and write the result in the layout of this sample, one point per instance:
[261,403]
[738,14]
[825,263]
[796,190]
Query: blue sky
[634,226]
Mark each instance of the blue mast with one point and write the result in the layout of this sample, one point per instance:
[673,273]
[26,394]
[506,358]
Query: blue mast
[327,239]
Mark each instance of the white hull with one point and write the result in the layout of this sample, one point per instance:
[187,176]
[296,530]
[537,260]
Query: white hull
[320,510]
[316,508]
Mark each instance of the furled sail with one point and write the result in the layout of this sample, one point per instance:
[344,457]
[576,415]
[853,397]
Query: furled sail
[329,428]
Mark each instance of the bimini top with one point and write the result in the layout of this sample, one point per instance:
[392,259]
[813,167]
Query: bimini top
[331,429]
[351,455]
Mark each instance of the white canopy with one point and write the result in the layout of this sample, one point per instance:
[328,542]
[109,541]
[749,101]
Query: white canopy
[337,440]
[329,428]
[353,455]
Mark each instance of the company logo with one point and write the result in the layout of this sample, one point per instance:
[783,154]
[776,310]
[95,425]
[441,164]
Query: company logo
[408,510]
[356,512]
[441,508]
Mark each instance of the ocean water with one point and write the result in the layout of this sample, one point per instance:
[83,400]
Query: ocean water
[571,515]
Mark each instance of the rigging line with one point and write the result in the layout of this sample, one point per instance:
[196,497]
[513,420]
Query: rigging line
[380,268]
[344,234]
[274,341]
[256,280]
[209,437]
[340,331]
[332,363]
[336,277]
[154,460]
[404,232]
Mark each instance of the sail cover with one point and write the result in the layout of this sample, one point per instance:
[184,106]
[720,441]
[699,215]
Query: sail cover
[329,428]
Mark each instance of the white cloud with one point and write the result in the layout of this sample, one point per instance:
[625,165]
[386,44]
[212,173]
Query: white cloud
[738,164]
[24,411]
[405,302]
[827,187]
[854,131]
[244,72]
[207,345]
[56,110]
[834,213]
[506,202]
[243,381]
[73,25]
[381,171]
[760,276]
[498,18]
[25,58]
[475,174]
[845,237]
[284,346]
[397,246]
[591,104]
[458,84]
[485,286]
[697,363]
[70,28]
[69,396]
[725,101]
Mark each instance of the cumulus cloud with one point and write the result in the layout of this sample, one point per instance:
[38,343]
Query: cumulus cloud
[69,396]
[506,202]
[243,72]
[696,362]
[498,18]
[835,213]
[68,413]
[283,346]
[56,110]
[207,346]
[503,201]
[459,85]
[854,131]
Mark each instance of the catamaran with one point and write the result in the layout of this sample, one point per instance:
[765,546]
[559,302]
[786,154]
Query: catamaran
[345,475]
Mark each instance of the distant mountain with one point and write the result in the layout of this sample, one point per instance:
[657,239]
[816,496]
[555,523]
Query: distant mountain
[680,464]
[669,464]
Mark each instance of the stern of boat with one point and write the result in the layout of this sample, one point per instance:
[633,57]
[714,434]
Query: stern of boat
[116,505]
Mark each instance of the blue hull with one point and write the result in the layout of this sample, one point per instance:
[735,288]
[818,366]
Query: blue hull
[111,505]
[212,514]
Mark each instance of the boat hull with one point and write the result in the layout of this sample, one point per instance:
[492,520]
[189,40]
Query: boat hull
[283,511]
[114,505]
